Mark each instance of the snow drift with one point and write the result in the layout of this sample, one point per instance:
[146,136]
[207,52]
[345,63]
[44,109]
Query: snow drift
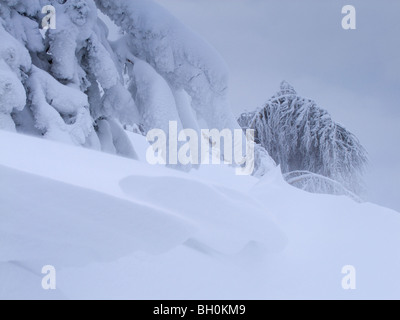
[151,232]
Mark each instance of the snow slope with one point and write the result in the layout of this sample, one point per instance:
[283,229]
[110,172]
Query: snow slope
[119,228]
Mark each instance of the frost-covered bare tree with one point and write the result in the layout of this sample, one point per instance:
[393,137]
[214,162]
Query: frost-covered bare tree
[300,136]
[71,84]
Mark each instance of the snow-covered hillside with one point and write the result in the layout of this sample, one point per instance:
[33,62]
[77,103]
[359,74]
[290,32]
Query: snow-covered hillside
[78,195]
[120,228]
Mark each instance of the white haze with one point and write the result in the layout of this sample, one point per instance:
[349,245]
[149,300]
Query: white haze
[354,74]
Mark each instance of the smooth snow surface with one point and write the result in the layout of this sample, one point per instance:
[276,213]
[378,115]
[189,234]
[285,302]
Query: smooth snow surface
[120,228]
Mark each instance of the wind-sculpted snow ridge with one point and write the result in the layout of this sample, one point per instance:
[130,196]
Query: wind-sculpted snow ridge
[119,228]
[300,136]
[104,229]
[72,216]
[143,185]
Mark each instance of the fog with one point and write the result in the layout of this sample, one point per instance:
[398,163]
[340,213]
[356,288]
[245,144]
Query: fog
[354,74]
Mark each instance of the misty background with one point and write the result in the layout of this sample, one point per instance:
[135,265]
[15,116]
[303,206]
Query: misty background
[354,74]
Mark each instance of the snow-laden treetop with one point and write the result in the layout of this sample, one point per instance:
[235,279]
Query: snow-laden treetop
[301,136]
[286,89]
[71,84]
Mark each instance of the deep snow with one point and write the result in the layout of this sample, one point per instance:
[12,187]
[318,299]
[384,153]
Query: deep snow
[120,228]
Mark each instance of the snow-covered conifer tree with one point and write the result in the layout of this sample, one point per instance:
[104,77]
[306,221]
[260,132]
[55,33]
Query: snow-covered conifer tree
[73,85]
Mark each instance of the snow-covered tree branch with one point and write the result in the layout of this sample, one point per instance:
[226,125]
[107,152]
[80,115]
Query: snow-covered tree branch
[71,84]
[300,136]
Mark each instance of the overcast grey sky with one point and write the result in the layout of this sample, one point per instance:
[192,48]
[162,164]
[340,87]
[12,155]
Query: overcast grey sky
[354,74]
